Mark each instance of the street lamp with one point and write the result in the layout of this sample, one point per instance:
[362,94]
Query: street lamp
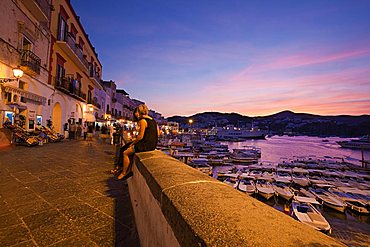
[190,122]
[17,72]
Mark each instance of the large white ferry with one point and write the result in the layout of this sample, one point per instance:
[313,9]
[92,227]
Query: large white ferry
[362,143]
[231,133]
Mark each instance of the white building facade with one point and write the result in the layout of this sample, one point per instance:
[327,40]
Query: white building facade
[25,44]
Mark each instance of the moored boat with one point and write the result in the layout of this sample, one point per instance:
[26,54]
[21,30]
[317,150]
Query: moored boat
[246,185]
[228,178]
[361,143]
[306,213]
[243,156]
[329,200]
[301,180]
[231,133]
[282,190]
[357,206]
[265,189]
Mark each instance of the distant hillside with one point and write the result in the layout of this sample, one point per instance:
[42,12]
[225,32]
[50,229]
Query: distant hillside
[212,119]
[284,122]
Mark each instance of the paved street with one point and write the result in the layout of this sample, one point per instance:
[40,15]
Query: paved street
[60,194]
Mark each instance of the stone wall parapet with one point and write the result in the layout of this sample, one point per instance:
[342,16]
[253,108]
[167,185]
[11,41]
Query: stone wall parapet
[175,205]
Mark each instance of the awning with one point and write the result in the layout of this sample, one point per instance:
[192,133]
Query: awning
[90,117]
[19,106]
[25,94]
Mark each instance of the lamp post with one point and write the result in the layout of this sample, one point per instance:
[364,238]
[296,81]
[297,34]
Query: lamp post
[190,122]
[17,73]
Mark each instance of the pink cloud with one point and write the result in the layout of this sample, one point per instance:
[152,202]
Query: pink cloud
[277,61]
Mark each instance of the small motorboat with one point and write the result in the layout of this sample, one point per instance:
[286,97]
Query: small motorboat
[301,180]
[228,178]
[268,175]
[255,174]
[201,164]
[357,206]
[247,186]
[305,212]
[329,200]
[282,190]
[265,189]
[283,177]
[306,193]
[243,156]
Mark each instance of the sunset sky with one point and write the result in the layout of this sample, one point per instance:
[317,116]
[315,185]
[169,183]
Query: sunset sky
[251,57]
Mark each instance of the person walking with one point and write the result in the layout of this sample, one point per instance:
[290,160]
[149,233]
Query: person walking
[85,130]
[111,131]
[72,131]
[78,131]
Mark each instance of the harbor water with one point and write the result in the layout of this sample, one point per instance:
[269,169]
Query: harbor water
[350,228]
[277,147]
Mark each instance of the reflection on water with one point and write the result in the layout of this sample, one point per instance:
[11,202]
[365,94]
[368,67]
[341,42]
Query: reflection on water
[349,227]
[276,147]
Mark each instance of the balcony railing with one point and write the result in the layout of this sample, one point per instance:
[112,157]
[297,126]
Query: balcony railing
[70,40]
[93,74]
[94,103]
[30,62]
[66,85]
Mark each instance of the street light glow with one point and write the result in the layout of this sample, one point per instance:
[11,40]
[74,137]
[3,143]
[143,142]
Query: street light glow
[17,72]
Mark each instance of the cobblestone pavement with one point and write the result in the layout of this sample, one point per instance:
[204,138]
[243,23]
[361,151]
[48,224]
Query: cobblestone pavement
[60,194]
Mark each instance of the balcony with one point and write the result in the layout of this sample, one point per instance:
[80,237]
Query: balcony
[39,8]
[94,102]
[94,77]
[74,52]
[66,85]
[30,63]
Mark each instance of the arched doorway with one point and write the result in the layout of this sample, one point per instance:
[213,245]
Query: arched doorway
[57,118]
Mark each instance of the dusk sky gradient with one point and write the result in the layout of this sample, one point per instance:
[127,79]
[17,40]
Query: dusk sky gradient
[251,57]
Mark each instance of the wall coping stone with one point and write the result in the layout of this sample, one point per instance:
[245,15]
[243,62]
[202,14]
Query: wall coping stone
[205,212]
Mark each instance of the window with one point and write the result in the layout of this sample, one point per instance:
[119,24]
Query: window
[60,72]
[62,29]
[26,44]
[73,32]
[81,43]
[89,96]
[22,85]
[9,97]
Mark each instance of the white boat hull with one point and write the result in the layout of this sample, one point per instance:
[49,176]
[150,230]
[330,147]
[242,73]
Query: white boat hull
[284,193]
[311,217]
